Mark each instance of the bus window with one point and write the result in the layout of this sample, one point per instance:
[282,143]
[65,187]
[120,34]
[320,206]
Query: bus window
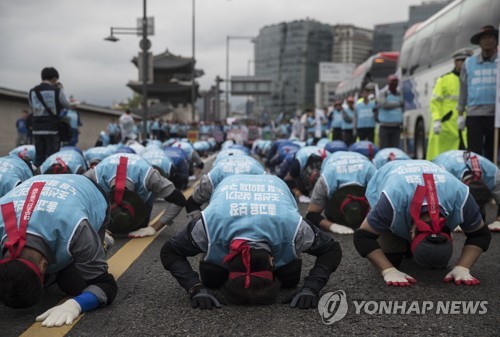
[443,40]
[424,47]
[472,18]
[404,59]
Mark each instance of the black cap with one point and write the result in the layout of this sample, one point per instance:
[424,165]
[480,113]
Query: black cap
[485,30]
[433,252]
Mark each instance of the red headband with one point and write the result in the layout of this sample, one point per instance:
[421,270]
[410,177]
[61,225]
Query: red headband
[120,180]
[350,198]
[240,246]
[17,236]
[62,165]
[437,223]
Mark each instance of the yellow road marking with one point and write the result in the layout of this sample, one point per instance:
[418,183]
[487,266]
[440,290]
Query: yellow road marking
[118,264]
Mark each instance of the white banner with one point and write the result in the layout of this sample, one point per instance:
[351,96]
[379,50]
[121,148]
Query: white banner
[335,72]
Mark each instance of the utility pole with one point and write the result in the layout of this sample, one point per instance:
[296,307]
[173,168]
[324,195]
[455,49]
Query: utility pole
[217,96]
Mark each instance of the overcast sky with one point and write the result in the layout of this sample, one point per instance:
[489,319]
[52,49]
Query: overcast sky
[68,35]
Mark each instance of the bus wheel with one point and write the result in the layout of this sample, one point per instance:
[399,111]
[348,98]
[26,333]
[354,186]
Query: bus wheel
[419,140]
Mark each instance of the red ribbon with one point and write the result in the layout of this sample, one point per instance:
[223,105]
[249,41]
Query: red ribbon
[120,180]
[476,167]
[240,246]
[437,222]
[392,156]
[16,237]
[370,151]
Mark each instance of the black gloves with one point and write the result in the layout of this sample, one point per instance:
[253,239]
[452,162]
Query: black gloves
[305,298]
[201,298]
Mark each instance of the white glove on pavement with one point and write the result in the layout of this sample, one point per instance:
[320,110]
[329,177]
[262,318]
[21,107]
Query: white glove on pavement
[461,275]
[495,226]
[142,232]
[339,229]
[437,127]
[461,122]
[394,277]
[61,314]
[304,199]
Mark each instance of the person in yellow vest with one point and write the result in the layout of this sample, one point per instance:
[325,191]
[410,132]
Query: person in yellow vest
[444,134]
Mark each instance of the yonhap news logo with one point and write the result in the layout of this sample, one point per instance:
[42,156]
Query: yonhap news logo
[333,307]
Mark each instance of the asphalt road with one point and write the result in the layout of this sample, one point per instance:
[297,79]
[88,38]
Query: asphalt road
[151,303]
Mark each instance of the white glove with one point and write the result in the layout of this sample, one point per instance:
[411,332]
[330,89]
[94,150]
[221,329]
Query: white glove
[142,232]
[461,122]
[394,277]
[304,199]
[61,314]
[339,229]
[437,127]
[495,226]
[458,229]
[461,275]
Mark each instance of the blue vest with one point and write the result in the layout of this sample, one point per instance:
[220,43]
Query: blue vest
[346,168]
[391,115]
[73,118]
[382,156]
[255,208]
[137,171]
[345,125]
[73,160]
[158,158]
[453,162]
[28,150]
[304,153]
[234,165]
[66,200]
[228,153]
[481,81]
[365,114]
[97,153]
[398,180]
[363,147]
[13,171]
[336,121]
[187,147]
[179,159]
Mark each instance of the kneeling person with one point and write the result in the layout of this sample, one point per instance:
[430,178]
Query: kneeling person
[52,229]
[252,234]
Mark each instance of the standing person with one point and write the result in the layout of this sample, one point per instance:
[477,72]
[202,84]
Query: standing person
[47,100]
[444,134]
[415,206]
[389,113]
[126,123]
[113,131]
[22,129]
[74,120]
[252,247]
[336,120]
[349,122]
[477,93]
[366,122]
[56,237]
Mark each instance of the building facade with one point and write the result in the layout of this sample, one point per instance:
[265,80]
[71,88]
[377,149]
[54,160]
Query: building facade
[289,54]
[351,44]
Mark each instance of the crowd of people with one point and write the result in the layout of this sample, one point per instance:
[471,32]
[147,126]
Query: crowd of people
[62,208]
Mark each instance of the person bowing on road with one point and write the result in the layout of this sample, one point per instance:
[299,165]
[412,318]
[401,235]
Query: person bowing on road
[132,185]
[415,207]
[52,229]
[252,235]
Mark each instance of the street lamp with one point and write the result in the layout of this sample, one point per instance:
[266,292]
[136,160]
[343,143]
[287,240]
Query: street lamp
[145,45]
[234,37]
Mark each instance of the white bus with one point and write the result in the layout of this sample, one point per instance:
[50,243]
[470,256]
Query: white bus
[426,55]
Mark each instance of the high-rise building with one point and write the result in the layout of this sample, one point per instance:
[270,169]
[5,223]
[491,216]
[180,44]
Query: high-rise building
[351,44]
[289,54]
[389,36]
